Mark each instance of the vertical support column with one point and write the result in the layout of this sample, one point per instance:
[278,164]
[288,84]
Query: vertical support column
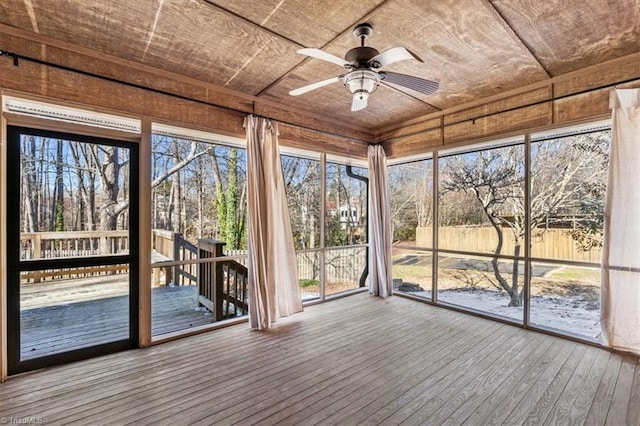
[323,208]
[3,246]
[144,236]
[37,254]
[527,230]
[434,232]
[219,281]
[205,276]
[211,277]
[175,250]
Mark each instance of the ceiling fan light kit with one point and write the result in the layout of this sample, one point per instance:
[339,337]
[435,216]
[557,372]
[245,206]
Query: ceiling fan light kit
[361,83]
[363,63]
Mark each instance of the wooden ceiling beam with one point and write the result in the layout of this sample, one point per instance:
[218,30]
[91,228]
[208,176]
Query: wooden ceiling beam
[501,18]
[594,70]
[253,24]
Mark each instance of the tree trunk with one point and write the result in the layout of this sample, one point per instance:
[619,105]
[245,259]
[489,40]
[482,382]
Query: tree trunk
[219,200]
[231,230]
[29,185]
[171,206]
[512,290]
[59,189]
[110,175]
[515,296]
[89,189]
[312,229]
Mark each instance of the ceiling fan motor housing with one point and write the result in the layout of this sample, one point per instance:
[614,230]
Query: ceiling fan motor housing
[362,64]
[359,56]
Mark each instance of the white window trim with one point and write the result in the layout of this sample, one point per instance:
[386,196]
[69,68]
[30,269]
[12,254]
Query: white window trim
[51,111]
[197,135]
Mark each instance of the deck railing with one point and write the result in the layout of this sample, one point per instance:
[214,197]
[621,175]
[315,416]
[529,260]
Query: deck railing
[52,245]
[49,245]
[222,285]
[173,246]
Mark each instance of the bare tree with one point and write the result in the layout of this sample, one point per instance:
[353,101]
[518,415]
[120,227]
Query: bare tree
[562,172]
[58,197]
[29,184]
[411,195]
[302,183]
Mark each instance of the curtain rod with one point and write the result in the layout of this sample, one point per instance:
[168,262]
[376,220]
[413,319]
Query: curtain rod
[490,114]
[17,58]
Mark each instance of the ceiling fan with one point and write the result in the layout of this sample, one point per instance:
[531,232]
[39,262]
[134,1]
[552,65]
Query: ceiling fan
[363,63]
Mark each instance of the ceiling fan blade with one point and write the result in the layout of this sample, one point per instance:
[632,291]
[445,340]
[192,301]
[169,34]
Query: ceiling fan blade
[358,103]
[304,89]
[321,54]
[418,84]
[395,54]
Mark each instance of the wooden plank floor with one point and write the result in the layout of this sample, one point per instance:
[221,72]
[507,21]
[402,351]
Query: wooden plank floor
[66,326]
[355,360]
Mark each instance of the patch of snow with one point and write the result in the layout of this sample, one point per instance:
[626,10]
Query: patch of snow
[558,314]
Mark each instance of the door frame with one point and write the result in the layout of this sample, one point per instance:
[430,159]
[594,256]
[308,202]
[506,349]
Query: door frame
[14,266]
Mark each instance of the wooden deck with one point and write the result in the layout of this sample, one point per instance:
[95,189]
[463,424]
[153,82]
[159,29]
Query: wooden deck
[82,315]
[356,360]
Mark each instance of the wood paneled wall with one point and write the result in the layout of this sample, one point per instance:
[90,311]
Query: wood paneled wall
[197,104]
[562,100]
[222,110]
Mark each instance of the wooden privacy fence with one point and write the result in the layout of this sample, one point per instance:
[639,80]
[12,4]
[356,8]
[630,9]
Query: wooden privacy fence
[549,244]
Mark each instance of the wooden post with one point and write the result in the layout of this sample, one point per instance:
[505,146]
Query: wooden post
[176,256]
[145,236]
[218,281]
[211,277]
[3,250]
[37,253]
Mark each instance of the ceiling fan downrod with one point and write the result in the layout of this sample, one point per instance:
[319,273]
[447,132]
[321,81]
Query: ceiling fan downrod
[362,31]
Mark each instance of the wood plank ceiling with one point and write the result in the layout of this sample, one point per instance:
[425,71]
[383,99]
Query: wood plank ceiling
[473,48]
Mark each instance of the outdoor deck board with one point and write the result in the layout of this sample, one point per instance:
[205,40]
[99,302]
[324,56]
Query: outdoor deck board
[337,348]
[165,398]
[349,367]
[340,386]
[561,410]
[619,407]
[633,412]
[478,393]
[604,393]
[586,393]
[433,396]
[85,323]
[496,407]
[339,402]
[355,360]
[359,402]
[551,395]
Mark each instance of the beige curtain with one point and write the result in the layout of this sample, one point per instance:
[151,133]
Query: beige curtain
[273,277]
[620,310]
[380,281]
